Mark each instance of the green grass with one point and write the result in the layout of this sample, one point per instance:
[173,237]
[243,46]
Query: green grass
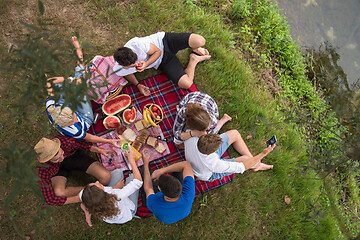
[252,206]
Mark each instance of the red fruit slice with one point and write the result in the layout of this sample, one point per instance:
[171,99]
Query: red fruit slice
[158,112]
[111,122]
[129,115]
[116,104]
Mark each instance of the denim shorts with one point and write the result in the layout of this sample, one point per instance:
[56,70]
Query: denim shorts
[224,146]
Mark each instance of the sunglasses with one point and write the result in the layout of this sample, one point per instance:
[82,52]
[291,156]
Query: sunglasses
[162,139]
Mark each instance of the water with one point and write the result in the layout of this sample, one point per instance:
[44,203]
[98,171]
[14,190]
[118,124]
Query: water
[314,22]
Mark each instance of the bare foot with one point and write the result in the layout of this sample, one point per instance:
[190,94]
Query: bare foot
[87,214]
[261,167]
[222,121]
[75,42]
[197,58]
[201,51]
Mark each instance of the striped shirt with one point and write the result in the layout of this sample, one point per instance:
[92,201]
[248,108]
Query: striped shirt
[77,130]
[205,101]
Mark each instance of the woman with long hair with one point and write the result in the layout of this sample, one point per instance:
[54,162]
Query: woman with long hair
[116,203]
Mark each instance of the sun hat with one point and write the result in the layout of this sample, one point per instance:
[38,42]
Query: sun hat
[47,149]
[63,117]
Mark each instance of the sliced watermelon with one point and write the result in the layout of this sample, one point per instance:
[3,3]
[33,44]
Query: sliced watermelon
[116,104]
[129,115]
[111,122]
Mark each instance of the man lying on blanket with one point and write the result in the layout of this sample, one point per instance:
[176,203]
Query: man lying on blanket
[159,51]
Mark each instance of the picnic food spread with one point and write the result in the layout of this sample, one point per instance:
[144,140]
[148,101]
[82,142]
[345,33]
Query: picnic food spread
[111,122]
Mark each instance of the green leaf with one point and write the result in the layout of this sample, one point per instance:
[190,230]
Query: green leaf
[41,7]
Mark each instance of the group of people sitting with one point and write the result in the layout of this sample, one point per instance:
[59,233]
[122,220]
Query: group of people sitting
[169,191]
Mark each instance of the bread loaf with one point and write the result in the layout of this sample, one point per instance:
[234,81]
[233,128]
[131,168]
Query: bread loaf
[139,126]
[141,139]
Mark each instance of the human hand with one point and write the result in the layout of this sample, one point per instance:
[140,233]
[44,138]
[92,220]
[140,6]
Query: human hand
[144,90]
[141,66]
[115,142]
[106,152]
[120,184]
[267,150]
[146,156]
[156,174]
[130,154]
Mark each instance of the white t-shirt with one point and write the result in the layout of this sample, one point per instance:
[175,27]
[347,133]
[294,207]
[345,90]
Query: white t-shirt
[205,165]
[125,205]
[141,46]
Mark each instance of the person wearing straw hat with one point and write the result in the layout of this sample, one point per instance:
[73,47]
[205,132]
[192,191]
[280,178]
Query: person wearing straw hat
[59,156]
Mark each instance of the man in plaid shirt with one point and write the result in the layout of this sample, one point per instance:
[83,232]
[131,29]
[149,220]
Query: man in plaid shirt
[59,156]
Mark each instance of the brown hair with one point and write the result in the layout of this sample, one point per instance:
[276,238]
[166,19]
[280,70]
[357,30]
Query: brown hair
[170,186]
[99,203]
[197,118]
[209,143]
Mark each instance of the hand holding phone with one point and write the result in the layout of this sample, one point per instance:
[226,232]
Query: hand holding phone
[271,141]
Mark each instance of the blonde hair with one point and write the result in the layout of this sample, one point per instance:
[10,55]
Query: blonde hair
[64,117]
[197,118]
[209,143]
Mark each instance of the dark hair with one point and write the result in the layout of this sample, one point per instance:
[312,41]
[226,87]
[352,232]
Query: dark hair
[99,203]
[125,56]
[209,143]
[197,118]
[170,186]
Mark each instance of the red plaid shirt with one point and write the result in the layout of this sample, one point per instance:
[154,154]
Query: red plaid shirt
[48,170]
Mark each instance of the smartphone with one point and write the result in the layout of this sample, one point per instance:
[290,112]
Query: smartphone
[271,141]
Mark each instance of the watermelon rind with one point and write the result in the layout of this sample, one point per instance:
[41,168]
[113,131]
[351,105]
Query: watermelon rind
[128,121]
[108,125]
[114,103]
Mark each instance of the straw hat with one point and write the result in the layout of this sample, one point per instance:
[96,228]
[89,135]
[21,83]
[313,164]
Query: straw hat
[64,117]
[47,149]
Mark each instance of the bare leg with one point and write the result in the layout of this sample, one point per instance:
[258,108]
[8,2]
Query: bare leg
[222,121]
[100,172]
[240,146]
[238,143]
[79,52]
[60,189]
[87,214]
[188,79]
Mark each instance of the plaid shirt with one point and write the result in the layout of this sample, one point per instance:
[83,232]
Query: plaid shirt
[48,170]
[204,100]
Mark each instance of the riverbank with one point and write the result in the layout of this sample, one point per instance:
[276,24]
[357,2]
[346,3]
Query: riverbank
[242,76]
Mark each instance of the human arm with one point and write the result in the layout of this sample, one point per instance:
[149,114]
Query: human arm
[144,90]
[183,167]
[95,139]
[54,80]
[148,187]
[131,157]
[154,53]
[192,133]
[102,151]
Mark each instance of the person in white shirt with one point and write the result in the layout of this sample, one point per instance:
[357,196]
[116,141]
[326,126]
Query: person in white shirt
[159,51]
[204,154]
[116,203]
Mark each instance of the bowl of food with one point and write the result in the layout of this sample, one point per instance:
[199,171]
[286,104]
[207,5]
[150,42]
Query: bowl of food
[153,114]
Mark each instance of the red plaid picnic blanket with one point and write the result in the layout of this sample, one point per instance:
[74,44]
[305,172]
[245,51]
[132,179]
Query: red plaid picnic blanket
[167,96]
